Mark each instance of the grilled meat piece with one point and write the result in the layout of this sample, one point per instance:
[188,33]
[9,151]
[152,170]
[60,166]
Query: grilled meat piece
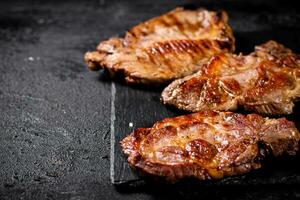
[166,47]
[266,81]
[209,145]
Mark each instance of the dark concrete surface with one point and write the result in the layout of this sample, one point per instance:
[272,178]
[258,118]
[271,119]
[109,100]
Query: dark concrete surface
[55,114]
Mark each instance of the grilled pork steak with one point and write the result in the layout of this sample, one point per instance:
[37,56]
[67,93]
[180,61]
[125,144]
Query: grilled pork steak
[266,81]
[166,47]
[209,145]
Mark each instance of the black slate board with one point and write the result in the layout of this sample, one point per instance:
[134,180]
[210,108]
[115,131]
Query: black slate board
[252,24]
[131,108]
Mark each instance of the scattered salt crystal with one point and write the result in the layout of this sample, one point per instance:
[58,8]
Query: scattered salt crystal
[41,21]
[31,59]
[130,124]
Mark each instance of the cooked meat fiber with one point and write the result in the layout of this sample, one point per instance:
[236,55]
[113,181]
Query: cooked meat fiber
[266,81]
[166,47]
[209,145]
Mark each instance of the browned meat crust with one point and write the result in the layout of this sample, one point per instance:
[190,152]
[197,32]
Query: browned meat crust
[266,81]
[209,145]
[165,47]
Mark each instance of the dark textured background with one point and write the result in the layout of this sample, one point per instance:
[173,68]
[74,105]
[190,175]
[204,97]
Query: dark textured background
[55,115]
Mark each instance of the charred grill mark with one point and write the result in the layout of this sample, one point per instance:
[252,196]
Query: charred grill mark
[167,47]
[196,47]
[181,46]
[151,58]
[192,123]
[205,45]
[159,48]
[178,46]
[177,36]
[292,61]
